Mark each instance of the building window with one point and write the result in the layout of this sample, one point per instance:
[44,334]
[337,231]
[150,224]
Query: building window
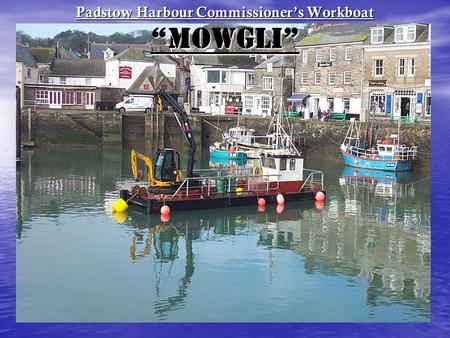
[41,78]
[213,76]
[250,79]
[305,56]
[347,77]
[146,86]
[332,54]
[41,97]
[332,78]
[199,98]
[218,76]
[289,73]
[304,78]
[248,103]
[401,66]
[317,78]
[348,53]
[28,72]
[405,34]
[268,83]
[79,97]
[253,57]
[377,35]
[225,78]
[411,66]
[69,98]
[269,67]
[318,55]
[378,67]
[346,104]
[265,102]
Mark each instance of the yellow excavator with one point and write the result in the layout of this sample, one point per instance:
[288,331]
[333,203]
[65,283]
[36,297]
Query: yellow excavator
[164,173]
[164,170]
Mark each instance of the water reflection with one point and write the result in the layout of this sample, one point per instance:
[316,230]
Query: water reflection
[371,241]
[392,263]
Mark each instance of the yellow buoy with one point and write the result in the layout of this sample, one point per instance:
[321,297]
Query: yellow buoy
[120,205]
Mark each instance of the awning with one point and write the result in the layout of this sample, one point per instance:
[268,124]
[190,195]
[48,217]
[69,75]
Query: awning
[297,97]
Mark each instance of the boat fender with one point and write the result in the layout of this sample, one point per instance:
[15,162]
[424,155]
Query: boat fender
[257,171]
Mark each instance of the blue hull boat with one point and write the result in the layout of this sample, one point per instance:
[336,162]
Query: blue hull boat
[238,156]
[376,164]
[371,153]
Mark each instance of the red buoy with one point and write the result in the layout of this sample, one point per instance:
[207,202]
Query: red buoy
[165,210]
[320,196]
[280,199]
[261,202]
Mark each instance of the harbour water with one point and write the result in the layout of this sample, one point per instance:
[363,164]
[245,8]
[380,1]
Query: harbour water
[363,257]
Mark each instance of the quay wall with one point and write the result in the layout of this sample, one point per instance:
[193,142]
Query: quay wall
[105,128]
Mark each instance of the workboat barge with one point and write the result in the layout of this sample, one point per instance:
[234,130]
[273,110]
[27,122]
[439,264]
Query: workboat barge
[229,187]
[168,185]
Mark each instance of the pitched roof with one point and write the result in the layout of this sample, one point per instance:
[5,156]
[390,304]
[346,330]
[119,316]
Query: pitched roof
[24,55]
[278,61]
[155,76]
[97,49]
[225,61]
[422,31]
[336,34]
[143,54]
[81,67]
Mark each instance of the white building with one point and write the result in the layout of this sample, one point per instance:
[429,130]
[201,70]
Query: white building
[80,72]
[217,82]
[123,69]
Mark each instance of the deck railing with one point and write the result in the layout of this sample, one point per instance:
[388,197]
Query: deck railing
[191,183]
[401,153]
[253,183]
[314,180]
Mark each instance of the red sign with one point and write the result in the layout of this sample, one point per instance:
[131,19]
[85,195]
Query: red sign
[124,72]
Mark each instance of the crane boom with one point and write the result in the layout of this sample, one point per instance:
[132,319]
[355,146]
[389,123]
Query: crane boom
[185,126]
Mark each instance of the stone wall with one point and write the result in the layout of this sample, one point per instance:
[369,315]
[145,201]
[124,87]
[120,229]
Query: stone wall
[50,127]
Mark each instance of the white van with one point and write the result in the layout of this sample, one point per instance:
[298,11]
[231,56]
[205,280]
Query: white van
[136,103]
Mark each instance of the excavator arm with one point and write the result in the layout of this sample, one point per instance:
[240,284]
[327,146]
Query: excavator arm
[185,126]
[135,156]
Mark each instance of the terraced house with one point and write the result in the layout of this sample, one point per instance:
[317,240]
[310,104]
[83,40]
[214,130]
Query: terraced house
[271,85]
[397,72]
[328,72]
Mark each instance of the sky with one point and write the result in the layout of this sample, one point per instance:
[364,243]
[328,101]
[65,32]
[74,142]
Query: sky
[44,30]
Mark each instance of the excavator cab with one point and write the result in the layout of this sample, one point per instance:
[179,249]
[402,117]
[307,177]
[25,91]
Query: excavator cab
[163,171]
[166,165]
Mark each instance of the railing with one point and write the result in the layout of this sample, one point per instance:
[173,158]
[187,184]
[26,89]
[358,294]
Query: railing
[314,180]
[400,153]
[210,182]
